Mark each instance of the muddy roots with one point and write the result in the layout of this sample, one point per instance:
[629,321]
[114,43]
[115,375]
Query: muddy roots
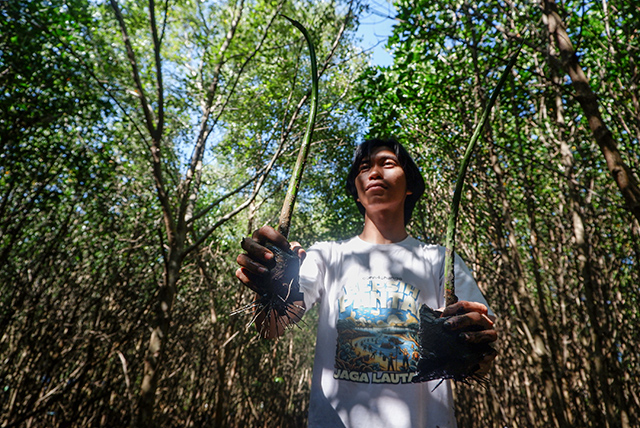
[276,300]
[282,288]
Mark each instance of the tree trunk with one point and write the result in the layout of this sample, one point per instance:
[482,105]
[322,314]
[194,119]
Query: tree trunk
[158,341]
[536,318]
[621,173]
[601,391]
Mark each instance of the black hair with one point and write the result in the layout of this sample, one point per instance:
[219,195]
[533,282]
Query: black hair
[415,182]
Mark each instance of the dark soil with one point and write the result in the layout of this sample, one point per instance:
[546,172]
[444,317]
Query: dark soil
[443,353]
[283,288]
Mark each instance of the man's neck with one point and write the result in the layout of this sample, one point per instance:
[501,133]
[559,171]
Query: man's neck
[383,229]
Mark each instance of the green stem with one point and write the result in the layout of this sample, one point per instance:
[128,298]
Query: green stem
[450,287]
[294,184]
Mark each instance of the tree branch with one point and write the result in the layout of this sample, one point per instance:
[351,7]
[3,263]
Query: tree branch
[188,197]
[158,61]
[134,68]
[621,173]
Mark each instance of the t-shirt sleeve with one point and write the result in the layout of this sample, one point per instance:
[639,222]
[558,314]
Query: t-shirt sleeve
[466,286]
[312,274]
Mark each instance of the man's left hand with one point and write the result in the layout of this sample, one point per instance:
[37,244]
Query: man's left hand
[475,325]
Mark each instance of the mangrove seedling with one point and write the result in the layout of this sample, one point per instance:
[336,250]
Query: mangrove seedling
[443,354]
[278,294]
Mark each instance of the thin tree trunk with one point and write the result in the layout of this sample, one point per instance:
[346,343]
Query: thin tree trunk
[621,173]
[595,363]
[536,318]
[158,340]
[616,414]
[551,361]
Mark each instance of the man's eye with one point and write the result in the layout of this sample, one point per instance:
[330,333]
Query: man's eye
[364,166]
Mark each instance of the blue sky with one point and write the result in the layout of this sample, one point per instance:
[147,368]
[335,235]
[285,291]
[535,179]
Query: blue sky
[375,28]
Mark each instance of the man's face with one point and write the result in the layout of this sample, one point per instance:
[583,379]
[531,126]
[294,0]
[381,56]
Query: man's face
[381,181]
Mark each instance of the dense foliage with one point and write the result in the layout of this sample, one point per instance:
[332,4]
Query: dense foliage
[552,240]
[139,141]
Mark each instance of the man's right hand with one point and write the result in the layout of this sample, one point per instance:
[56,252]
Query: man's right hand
[257,260]
[254,273]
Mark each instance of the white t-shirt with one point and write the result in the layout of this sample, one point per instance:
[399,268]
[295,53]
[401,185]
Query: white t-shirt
[366,350]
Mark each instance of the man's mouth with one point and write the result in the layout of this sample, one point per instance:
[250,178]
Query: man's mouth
[375,185]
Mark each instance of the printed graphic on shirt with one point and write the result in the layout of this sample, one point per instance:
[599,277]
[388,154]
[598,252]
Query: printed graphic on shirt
[378,331]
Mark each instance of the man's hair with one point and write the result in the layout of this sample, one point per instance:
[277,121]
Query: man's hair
[415,182]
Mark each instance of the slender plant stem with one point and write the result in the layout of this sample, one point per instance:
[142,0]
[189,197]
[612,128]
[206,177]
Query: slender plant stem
[450,287]
[294,184]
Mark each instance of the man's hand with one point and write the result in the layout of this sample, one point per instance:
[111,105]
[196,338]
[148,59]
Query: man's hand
[256,262]
[255,273]
[471,319]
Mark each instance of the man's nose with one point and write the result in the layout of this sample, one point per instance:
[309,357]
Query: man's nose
[374,172]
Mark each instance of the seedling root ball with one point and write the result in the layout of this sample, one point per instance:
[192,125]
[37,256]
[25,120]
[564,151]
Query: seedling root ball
[444,354]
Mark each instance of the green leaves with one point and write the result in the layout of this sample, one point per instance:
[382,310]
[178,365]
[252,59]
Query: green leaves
[83,244]
[537,185]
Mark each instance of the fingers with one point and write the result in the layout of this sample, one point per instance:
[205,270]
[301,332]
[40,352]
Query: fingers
[256,247]
[249,279]
[258,255]
[462,307]
[472,321]
[252,273]
[255,251]
[252,265]
[296,248]
[484,336]
[258,259]
[267,233]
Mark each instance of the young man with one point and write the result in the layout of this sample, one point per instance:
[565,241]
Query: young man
[370,289]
